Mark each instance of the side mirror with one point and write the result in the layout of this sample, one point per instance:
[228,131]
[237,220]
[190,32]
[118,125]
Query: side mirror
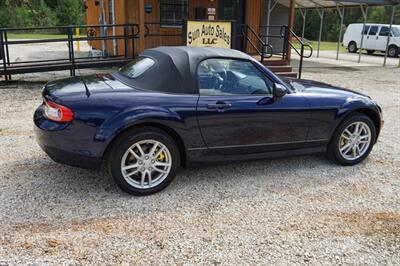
[279,90]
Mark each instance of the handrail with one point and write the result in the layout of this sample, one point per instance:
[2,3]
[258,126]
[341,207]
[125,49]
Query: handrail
[302,43]
[264,46]
[70,26]
[287,34]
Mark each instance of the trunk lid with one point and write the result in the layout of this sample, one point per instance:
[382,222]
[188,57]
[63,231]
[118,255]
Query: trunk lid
[81,86]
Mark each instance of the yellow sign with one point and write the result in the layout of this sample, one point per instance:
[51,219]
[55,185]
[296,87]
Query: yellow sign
[209,33]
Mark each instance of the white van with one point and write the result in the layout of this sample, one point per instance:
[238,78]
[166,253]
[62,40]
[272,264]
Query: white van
[375,38]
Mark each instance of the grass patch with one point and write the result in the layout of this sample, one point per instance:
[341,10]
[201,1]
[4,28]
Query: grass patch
[325,46]
[35,36]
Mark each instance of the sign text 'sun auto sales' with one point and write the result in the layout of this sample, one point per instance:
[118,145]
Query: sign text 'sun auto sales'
[209,33]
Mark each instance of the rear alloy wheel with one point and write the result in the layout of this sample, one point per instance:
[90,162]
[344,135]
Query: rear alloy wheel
[353,140]
[145,162]
[352,47]
[393,51]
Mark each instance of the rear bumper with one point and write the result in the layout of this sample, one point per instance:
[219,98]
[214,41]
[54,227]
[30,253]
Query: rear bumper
[61,144]
[72,159]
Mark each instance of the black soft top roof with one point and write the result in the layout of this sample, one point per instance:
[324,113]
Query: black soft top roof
[175,67]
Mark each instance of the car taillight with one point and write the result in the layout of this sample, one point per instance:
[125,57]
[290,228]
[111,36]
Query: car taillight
[57,112]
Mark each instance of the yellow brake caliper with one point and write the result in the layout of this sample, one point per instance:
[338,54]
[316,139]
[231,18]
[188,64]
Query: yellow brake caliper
[161,157]
[343,142]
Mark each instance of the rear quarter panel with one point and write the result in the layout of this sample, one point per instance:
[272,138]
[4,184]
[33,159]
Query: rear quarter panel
[353,33]
[175,111]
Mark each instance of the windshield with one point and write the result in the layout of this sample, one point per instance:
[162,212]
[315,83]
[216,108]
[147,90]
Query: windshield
[137,67]
[396,31]
[292,85]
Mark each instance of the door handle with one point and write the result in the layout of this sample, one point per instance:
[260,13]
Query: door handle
[219,106]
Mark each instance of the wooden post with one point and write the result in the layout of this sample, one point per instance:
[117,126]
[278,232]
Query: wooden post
[292,13]
[142,43]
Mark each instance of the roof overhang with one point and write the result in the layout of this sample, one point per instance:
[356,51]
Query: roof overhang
[309,4]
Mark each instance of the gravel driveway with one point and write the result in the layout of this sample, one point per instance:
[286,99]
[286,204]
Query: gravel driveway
[302,210]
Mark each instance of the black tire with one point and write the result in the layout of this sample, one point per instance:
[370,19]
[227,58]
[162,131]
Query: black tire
[370,51]
[352,47]
[393,51]
[125,141]
[333,148]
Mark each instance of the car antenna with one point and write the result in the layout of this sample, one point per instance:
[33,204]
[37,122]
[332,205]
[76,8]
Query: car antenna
[84,83]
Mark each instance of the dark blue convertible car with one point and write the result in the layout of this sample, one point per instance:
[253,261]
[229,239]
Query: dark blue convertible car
[174,106]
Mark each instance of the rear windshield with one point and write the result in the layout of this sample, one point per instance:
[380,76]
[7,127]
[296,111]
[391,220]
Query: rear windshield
[137,67]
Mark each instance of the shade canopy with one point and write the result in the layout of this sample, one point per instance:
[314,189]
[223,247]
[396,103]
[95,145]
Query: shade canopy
[332,4]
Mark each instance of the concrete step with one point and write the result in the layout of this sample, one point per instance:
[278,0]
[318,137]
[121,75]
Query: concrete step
[287,74]
[278,69]
[274,62]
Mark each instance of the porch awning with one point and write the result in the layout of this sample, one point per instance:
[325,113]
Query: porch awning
[332,4]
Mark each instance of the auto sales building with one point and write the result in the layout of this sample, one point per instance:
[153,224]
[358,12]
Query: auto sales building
[162,22]
[263,28]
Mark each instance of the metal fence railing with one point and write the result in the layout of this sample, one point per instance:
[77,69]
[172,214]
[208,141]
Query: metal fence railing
[116,43]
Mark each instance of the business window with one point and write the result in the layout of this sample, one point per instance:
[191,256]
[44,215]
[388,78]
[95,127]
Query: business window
[173,12]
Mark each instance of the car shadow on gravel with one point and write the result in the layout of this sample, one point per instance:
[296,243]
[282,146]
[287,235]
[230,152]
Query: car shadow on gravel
[42,171]
[60,179]
[40,188]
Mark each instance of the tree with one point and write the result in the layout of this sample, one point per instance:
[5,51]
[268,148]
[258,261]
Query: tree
[42,15]
[70,12]
[34,13]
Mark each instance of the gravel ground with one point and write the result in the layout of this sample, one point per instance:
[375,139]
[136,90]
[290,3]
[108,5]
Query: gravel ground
[302,210]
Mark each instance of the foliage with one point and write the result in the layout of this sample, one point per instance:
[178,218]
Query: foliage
[36,13]
[331,25]
[69,12]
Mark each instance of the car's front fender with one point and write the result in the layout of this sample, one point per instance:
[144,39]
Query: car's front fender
[351,104]
[362,105]
[328,111]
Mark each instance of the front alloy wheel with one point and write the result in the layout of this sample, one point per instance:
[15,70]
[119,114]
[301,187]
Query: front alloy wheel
[353,140]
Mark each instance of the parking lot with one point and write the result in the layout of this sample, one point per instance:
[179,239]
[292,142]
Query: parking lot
[283,211]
